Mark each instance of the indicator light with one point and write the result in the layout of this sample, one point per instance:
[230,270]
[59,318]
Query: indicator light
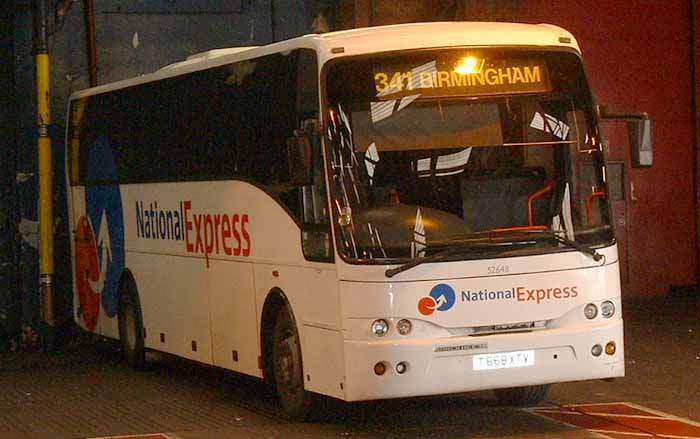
[379,368]
[610,348]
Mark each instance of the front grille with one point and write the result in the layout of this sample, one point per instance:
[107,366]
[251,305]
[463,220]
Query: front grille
[506,328]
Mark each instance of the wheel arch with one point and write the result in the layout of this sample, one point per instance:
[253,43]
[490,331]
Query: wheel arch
[127,277]
[275,301]
[134,347]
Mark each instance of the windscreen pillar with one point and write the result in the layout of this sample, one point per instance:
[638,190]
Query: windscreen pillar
[43,96]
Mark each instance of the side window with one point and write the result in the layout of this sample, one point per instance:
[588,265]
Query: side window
[231,121]
[316,229]
[272,118]
[276,96]
[101,139]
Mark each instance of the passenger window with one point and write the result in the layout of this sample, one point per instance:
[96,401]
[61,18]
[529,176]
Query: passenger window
[316,229]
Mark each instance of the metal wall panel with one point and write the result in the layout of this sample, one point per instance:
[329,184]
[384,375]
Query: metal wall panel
[638,57]
[133,37]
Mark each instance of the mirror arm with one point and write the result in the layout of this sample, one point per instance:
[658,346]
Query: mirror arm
[604,113]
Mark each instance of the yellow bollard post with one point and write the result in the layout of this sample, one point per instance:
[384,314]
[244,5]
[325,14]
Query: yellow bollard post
[46,221]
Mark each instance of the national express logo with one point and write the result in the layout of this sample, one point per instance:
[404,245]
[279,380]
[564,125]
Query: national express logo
[99,259]
[220,234]
[442,297]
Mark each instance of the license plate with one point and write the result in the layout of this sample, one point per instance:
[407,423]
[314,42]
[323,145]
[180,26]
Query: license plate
[504,360]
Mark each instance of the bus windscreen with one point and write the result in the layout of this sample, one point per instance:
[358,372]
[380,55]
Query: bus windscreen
[445,143]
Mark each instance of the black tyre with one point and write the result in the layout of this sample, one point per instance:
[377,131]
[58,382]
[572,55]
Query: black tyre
[529,395]
[288,368]
[131,326]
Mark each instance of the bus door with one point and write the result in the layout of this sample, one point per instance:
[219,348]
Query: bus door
[618,205]
[617,156]
[618,151]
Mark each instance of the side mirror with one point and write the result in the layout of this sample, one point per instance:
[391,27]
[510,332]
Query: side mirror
[640,131]
[300,158]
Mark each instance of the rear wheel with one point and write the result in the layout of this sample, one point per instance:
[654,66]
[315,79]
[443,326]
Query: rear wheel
[131,326]
[288,368]
[528,395]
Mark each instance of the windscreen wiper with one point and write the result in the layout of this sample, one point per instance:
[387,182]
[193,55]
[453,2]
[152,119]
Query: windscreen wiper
[451,248]
[583,248]
[489,240]
[391,272]
[578,246]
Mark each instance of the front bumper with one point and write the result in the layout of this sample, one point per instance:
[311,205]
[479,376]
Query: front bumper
[434,367]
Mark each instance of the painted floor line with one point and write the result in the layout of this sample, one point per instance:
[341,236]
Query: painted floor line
[559,412]
[665,415]
[655,417]
[597,404]
[138,436]
[535,410]
[621,408]
[632,421]
[627,433]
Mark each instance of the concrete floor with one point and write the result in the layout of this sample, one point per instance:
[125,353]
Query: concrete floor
[84,391]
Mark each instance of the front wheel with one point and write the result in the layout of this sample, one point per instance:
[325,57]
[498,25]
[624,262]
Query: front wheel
[528,395]
[288,368]
[131,326]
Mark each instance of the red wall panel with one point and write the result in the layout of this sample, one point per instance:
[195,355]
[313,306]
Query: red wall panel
[638,57]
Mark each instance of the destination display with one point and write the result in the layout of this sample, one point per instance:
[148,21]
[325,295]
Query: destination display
[467,76]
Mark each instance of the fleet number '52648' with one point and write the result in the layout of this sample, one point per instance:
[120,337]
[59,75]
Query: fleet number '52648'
[498,269]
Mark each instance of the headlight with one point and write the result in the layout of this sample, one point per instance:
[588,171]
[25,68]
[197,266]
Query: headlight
[590,311]
[380,327]
[403,326]
[607,309]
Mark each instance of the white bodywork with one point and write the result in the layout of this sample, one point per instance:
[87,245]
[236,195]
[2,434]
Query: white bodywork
[216,299]
[369,40]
